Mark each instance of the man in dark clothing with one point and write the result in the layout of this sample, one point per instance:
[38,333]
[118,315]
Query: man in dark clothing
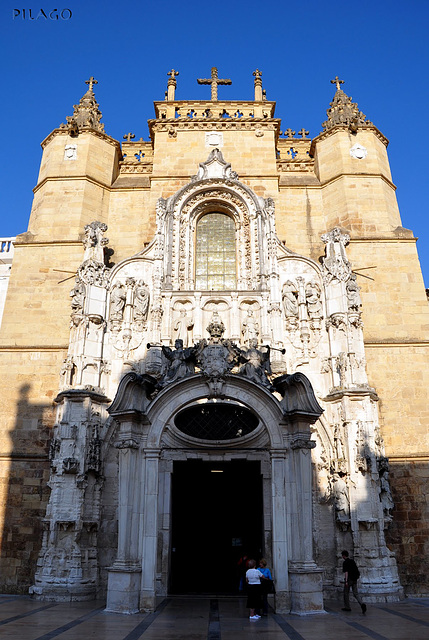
[351,576]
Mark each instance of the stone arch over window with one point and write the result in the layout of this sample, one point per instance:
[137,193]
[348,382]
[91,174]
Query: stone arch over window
[216,188]
[215,252]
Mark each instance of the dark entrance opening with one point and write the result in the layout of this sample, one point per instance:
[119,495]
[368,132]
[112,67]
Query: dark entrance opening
[216,517]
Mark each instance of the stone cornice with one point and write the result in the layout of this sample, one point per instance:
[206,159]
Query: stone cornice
[359,175]
[98,134]
[380,344]
[48,243]
[409,457]
[64,178]
[325,134]
[218,105]
[31,348]
[213,124]
[385,239]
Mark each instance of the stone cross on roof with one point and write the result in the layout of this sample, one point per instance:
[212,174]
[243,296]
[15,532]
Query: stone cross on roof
[214,81]
[91,82]
[171,84]
[338,82]
[173,73]
[129,136]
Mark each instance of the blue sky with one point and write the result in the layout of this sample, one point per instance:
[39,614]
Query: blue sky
[380,49]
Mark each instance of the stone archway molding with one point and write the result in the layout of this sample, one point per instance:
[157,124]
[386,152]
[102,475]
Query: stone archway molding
[142,420]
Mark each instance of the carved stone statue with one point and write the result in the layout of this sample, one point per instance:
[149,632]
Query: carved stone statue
[341,498]
[78,297]
[314,303]
[94,241]
[353,298]
[256,364]
[249,328]
[181,363]
[183,328]
[335,264]
[117,301]
[141,302]
[290,300]
[386,494]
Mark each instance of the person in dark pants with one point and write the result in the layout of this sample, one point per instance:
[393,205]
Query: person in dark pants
[253,579]
[351,576]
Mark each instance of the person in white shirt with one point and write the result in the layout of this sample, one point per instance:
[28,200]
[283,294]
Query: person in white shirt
[253,579]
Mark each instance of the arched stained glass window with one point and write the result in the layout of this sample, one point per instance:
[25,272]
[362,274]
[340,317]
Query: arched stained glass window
[215,264]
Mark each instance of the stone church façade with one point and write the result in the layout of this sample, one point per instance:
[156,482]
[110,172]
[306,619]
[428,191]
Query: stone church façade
[239,365]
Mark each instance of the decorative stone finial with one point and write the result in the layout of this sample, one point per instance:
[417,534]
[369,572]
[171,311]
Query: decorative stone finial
[86,114]
[258,85]
[171,84]
[214,81]
[344,112]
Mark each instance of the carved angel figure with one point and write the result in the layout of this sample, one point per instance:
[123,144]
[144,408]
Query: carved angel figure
[181,363]
[256,364]
[290,300]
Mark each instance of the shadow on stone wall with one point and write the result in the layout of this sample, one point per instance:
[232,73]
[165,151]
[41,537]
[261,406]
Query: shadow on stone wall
[408,534]
[26,493]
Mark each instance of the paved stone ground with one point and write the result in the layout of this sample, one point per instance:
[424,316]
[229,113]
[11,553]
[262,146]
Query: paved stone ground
[22,618]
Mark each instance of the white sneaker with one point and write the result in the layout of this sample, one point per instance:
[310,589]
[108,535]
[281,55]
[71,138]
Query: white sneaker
[254,617]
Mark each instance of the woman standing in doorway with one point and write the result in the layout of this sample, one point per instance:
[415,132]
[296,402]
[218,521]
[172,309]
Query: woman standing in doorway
[253,580]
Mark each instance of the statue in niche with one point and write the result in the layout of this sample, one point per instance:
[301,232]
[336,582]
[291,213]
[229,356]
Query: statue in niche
[338,443]
[249,328]
[181,362]
[290,300]
[183,328]
[256,364]
[77,295]
[141,302]
[385,492]
[341,498]
[314,303]
[117,301]
[353,297]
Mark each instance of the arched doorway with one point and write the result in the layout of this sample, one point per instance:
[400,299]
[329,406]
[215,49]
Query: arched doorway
[151,444]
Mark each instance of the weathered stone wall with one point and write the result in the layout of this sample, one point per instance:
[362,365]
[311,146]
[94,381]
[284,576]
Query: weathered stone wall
[408,534]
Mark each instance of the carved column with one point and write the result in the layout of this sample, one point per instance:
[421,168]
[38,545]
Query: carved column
[301,409]
[281,530]
[150,531]
[124,576]
[305,577]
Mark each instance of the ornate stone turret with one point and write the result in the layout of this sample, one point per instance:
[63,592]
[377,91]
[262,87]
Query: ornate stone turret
[86,114]
[343,111]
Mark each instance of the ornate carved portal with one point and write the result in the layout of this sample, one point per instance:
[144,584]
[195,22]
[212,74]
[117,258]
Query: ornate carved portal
[282,341]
